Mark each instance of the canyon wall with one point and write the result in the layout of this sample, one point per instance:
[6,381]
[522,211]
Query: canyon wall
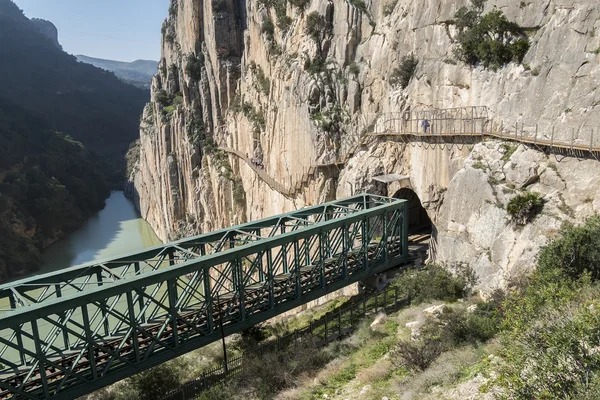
[293,85]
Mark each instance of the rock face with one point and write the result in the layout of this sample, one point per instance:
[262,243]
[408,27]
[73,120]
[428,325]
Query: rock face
[47,29]
[295,86]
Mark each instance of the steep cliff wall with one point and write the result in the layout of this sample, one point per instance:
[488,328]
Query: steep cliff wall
[294,84]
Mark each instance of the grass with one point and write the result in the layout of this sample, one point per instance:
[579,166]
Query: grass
[509,149]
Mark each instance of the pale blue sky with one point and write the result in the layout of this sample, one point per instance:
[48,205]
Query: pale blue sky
[123,30]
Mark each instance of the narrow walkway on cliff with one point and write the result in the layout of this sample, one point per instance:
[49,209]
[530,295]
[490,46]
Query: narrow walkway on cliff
[301,181]
[468,125]
[444,127]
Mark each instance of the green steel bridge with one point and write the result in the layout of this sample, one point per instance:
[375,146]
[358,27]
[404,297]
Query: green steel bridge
[71,332]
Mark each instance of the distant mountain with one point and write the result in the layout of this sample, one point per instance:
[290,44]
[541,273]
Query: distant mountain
[138,73]
[64,130]
[87,103]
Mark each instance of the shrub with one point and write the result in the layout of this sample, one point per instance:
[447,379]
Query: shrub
[576,252]
[315,65]
[268,28]
[156,382]
[401,76]
[239,195]
[353,69]
[550,336]
[162,98]
[194,66]
[490,39]
[359,4]
[524,207]
[388,8]
[300,4]
[173,9]
[272,372]
[416,354]
[555,357]
[436,283]
[219,6]
[316,27]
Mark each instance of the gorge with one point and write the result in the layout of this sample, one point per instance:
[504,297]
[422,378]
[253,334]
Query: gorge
[266,79]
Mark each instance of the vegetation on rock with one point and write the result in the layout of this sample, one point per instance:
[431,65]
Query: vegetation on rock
[524,207]
[194,66]
[490,40]
[550,328]
[402,75]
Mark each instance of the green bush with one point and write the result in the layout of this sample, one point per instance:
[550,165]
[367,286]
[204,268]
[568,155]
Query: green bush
[300,4]
[555,357]
[490,39]
[359,4]
[435,283]
[239,195]
[575,252]
[315,65]
[402,75]
[268,28]
[162,98]
[194,66]
[154,383]
[316,27]
[524,207]
[219,6]
[550,325]
[272,372]
[388,8]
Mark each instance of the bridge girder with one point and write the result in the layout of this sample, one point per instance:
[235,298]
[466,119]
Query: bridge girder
[73,331]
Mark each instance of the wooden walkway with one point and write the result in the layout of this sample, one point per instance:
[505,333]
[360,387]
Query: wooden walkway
[310,174]
[454,137]
[273,184]
[452,126]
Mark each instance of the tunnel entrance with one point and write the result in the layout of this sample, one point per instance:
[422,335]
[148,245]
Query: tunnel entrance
[418,221]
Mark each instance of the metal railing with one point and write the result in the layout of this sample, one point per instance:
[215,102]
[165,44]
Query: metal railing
[450,125]
[332,326]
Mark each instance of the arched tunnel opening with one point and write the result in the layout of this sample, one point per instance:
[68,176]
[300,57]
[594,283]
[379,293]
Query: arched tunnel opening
[418,220]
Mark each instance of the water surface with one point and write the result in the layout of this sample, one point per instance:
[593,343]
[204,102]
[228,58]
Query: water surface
[116,230]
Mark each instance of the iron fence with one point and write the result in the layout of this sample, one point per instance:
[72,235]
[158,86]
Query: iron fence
[334,325]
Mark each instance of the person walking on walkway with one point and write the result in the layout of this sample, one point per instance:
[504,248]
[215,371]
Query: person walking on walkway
[425,125]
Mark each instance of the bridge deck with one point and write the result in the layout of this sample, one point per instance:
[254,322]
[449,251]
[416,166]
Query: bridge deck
[68,333]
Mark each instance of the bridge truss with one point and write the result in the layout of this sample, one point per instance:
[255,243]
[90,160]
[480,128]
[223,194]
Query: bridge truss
[70,332]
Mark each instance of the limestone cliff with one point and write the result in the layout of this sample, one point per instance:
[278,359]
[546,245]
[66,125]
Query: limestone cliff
[294,84]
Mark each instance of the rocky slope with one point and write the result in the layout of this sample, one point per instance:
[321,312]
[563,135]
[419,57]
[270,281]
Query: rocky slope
[271,78]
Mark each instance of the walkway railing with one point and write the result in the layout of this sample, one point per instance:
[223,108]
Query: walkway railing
[299,182]
[332,326]
[450,125]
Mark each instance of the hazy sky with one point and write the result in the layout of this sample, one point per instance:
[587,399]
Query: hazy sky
[124,30]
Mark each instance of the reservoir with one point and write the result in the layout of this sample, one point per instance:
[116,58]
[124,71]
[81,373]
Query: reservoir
[116,230]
